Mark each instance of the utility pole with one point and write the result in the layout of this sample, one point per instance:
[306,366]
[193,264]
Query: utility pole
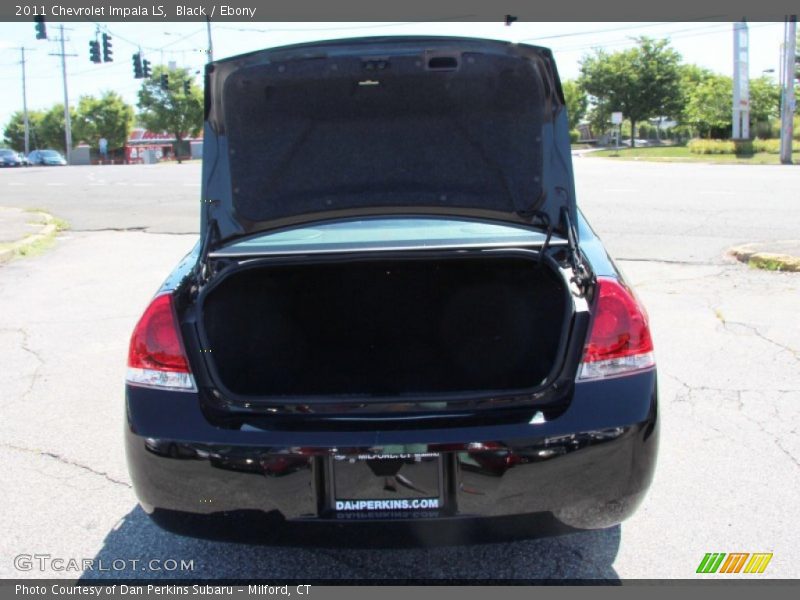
[787,93]
[210,45]
[25,106]
[741,82]
[67,122]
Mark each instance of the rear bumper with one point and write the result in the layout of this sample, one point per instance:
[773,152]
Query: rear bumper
[589,468]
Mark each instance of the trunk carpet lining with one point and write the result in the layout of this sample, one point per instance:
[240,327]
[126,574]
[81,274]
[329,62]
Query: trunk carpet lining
[385,328]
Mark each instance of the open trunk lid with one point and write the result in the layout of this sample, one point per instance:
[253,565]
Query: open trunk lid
[384,126]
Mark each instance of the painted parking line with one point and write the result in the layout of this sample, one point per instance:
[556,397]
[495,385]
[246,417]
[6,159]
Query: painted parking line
[16,183]
[55,184]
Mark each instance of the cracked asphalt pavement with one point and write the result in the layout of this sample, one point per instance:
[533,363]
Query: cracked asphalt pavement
[726,340]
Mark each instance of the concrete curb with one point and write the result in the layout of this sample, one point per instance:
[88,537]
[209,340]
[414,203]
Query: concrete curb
[750,254]
[47,231]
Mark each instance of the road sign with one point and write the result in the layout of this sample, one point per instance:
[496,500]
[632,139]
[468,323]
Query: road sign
[616,118]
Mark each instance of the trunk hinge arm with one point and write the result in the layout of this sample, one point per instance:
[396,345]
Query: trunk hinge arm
[211,236]
[542,219]
[581,276]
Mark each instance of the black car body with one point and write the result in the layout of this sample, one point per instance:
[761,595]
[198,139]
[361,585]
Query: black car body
[395,309]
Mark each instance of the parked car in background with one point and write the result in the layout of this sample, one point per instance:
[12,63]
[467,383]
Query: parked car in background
[639,143]
[402,314]
[47,158]
[9,158]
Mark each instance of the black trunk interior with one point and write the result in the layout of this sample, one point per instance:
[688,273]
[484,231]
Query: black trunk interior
[386,327]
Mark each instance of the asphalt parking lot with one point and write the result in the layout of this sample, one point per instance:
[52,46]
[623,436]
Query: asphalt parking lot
[726,340]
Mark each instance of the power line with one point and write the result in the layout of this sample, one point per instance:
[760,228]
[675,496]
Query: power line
[161,48]
[676,34]
[596,31]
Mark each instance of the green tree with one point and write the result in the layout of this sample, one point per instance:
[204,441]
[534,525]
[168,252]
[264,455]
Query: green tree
[690,77]
[709,109]
[108,116]
[765,99]
[14,132]
[577,102]
[642,82]
[171,110]
[50,130]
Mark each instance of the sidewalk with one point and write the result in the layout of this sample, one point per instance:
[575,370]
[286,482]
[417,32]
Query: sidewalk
[21,230]
[773,256]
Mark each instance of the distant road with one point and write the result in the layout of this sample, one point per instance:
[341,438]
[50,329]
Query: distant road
[662,211]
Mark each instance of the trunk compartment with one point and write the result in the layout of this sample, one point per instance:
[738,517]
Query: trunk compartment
[385,326]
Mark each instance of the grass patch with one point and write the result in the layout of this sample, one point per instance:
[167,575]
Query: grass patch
[37,247]
[684,154]
[41,244]
[769,264]
[61,224]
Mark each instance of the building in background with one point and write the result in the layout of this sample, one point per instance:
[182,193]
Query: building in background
[145,146]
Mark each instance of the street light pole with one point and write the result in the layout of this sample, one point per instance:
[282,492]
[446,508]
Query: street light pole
[787,93]
[67,122]
[210,45]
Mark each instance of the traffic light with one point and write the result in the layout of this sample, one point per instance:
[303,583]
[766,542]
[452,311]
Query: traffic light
[146,69]
[137,66]
[94,51]
[108,55]
[41,30]
[187,85]
[164,81]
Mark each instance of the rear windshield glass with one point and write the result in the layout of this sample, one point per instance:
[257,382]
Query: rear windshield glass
[386,233]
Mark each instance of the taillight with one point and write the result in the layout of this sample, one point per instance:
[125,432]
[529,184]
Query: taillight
[156,357]
[620,341]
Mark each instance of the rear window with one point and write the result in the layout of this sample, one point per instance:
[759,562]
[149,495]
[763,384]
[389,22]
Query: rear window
[386,233]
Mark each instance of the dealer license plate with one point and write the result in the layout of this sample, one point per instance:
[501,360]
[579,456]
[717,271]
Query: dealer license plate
[386,485]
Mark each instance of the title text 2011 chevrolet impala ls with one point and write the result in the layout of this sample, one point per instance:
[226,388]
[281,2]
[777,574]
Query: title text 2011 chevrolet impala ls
[395,309]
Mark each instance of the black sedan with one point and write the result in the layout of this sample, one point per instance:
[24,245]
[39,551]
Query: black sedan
[395,310]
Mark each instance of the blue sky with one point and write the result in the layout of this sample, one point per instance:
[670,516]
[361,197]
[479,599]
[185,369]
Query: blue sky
[708,44]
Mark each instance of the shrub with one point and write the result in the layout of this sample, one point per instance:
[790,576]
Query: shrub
[743,147]
[738,147]
[574,136]
[701,146]
[769,146]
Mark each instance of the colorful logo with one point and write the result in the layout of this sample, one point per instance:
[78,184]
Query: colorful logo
[735,562]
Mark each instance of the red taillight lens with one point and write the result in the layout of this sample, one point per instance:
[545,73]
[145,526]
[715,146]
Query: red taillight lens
[620,339]
[155,356]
